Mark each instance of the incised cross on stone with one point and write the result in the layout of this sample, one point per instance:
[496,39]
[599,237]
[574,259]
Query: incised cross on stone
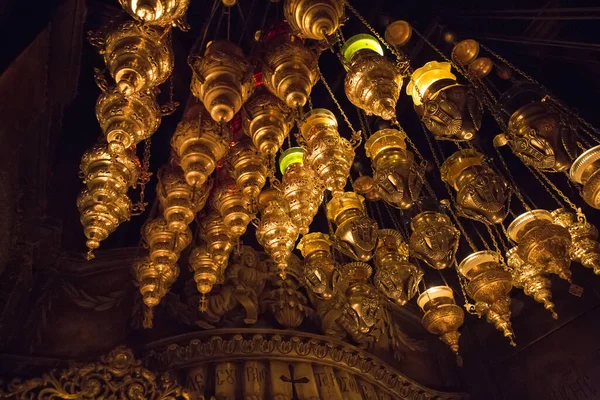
[293,381]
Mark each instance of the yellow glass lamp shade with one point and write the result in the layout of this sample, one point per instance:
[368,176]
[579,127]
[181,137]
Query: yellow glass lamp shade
[293,155]
[360,42]
[425,76]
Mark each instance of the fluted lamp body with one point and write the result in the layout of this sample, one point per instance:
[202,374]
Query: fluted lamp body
[164,246]
[398,177]
[585,171]
[434,239]
[314,19]
[320,273]
[219,240]
[481,193]
[156,12]
[248,168]
[228,199]
[442,316]
[373,82]
[153,282]
[206,272]
[327,153]
[585,248]
[449,110]
[222,79]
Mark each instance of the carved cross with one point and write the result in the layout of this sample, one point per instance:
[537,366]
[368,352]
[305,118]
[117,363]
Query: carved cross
[293,381]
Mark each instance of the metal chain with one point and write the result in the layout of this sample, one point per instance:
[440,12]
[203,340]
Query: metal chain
[485,243]
[461,280]
[143,179]
[556,189]
[494,242]
[513,182]
[461,227]
[503,241]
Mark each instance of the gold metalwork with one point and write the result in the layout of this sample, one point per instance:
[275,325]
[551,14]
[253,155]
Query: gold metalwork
[217,237]
[585,248]
[398,177]
[365,185]
[222,79]
[206,272]
[229,201]
[395,276]
[356,232]
[165,246]
[434,239]
[327,153]
[248,168]
[465,52]
[585,172]
[489,285]
[314,19]
[481,67]
[320,273]
[151,280]
[157,12]
[481,193]
[362,296]
[442,316]
[398,33]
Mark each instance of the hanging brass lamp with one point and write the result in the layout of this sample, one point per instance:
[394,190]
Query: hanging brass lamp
[222,79]
[585,248]
[356,232]
[442,316]
[217,237]
[398,33]
[489,285]
[465,52]
[164,245]
[585,172]
[248,168]
[362,297]
[229,201]
[434,239]
[327,153]
[365,186]
[157,12]
[449,110]
[398,177]
[373,82]
[150,281]
[206,272]
[320,270]
[314,19]
[481,193]
[395,276]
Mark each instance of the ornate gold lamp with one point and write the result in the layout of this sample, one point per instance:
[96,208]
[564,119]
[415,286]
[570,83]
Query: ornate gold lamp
[531,279]
[398,33]
[198,145]
[585,248]
[249,169]
[206,272]
[229,201]
[489,285]
[217,237]
[314,19]
[465,52]
[300,188]
[320,273]
[276,232]
[585,172]
[448,109]
[395,276]
[156,12]
[542,243]
[398,177]
[365,186]
[150,282]
[481,193]
[361,295]
[356,232]
[137,56]
[434,239]
[222,79]
[329,154]
[164,245]
[442,316]
[373,82]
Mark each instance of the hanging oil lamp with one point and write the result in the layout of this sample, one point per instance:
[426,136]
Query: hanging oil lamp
[398,177]
[534,282]
[442,316]
[398,33]
[126,121]
[481,193]
[585,172]
[108,177]
[542,243]
[267,120]
[362,297]
[585,248]
[222,79]
[327,153]
[248,168]
[229,201]
[365,186]
[148,279]
[356,232]
[395,276]
[373,82]
[290,69]
[217,237]
[434,239]
[320,273]
[300,188]
[179,200]
[465,52]
[199,145]
[449,110]
[137,56]
[157,12]
[489,285]
[314,19]
[276,232]
[206,272]
[164,245]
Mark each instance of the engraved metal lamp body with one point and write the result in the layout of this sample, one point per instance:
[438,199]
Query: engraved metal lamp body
[206,272]
[218,239]
[164,245]
[585,248]
[222,79]
[248,168]
[229,201]
[362,297]
[150,281]
[320,273]
[373,82]
[434,239]
[398,177]
[481,193]
[314,19]
[442,316]
[156,12]
[585,171]
[329,154]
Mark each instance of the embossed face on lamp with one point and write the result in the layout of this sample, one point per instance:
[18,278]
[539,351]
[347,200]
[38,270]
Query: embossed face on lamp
[373,82]
[448,109]
[362,296]
[489,285]
[320,273]
[542,243]
[249,169]
[434,239]
[395,276]
[329,154]
[481,193]
[442,316]
[585,248]
[206,272]
[585,172]
[222,79]
[397,176]
[156,12]
[534,282]
[314,19]
[217,237]
[356,232]
[300,188]
[228,199]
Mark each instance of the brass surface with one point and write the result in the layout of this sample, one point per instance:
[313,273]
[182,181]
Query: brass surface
[314,19]
[465,52]
[365,186]
[442,316]
[321,275]
[585,248]
[157,12]
[585,171]
[481,67]
[434,239]
[398,33]
[229,201]
[362,296]
[206,272]
[248,168]
[218,238]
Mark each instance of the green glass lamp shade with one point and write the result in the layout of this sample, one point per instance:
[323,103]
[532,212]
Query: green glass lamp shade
[292,155]
[360,42]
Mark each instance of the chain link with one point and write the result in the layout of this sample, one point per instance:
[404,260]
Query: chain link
[494,242]
[513,182]
[559,192]
[143,179]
